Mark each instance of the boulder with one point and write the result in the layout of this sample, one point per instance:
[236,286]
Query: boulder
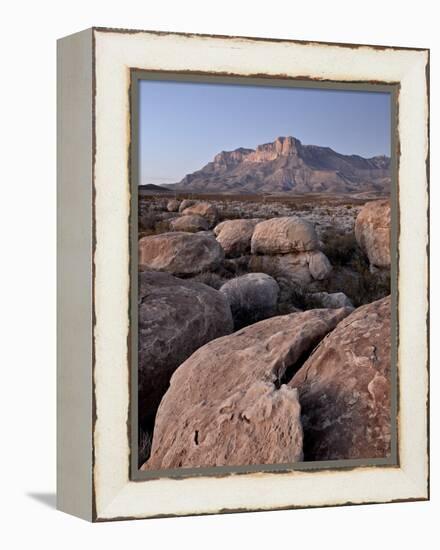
[185,204]
[252,297]
[173,205]
[180,253]
[301,268]
[175,318]
[292,267]
[228,404]
[205,209]
[190,224]
[283,236]
[216,230]
[373,232]
[319,265]
[155,220]
[344,388]
[329,300]
[235,236]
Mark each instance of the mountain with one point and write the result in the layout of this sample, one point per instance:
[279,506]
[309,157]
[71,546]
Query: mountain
[152,187]
[286,165]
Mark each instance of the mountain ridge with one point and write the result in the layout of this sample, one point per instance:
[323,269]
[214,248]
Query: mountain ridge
[286,165]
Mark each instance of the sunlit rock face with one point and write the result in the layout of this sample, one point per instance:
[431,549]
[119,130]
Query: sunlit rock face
[230,404]
[344,388]
[373,232]
[287,166]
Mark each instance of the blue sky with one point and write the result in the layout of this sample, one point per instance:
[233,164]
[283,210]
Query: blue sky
[183,125]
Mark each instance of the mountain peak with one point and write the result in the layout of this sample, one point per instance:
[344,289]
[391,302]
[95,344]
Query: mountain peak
[287,145]
[281,147]
[285,164]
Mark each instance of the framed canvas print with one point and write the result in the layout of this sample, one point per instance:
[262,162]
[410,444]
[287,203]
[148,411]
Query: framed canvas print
[242,274]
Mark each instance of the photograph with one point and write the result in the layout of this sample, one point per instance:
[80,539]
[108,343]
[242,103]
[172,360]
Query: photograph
[228,217]
[243,288]
[265,279]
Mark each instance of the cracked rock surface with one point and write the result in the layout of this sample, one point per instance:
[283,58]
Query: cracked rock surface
[344,388]
[228,404]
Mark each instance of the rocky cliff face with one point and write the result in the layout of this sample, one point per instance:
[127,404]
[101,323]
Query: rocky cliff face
[286,165]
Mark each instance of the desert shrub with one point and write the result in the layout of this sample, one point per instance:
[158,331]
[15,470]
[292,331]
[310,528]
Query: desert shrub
[351,270]
[212,279]
[356,281]
[147,220]
[375,283]
[162,226]
[245,318]
[292,295]
[234,267]
[224,215]
[340,248]
[154,223]
[144,450]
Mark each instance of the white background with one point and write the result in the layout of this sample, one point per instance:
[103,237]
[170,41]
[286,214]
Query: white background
[27,273]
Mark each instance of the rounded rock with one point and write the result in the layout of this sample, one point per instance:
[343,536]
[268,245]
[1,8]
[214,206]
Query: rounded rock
[228,404]
[235,236]
[205,209]
[345,388]
[175,318]
[301,268]
[283,236]
[252,297]
[319,265]
[186,203]
[189,224]
[373,232]
[180,253]
[173,205]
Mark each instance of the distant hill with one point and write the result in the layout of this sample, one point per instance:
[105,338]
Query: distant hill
[286,165]
[155,188]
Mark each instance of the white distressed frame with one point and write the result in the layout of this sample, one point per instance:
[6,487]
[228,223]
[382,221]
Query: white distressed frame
[115,496]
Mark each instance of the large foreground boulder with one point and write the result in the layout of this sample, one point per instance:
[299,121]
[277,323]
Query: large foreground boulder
[205,209]
[175,318]
[252,297]
[284,235]
[228,403]
[189,224]
[301,268]
[235,236]
[373,232]
[180,253]
[344,388]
